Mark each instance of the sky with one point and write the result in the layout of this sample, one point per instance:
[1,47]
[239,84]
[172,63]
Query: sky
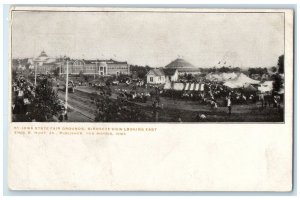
[154,39]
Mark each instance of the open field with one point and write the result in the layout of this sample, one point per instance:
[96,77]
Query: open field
[172,109]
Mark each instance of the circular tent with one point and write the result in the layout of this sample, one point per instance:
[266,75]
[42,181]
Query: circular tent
[183,66]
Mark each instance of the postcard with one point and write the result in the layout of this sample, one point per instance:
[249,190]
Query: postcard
[160,99]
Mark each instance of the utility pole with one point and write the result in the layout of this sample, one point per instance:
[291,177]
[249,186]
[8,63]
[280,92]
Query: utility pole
[60,66]
[35,68]
[67,85]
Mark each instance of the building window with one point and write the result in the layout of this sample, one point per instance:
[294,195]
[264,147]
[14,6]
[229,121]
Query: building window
[151,79]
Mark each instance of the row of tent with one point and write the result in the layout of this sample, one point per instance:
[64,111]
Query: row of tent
[240,81]
[184,86]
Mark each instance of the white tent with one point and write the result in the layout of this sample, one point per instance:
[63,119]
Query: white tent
[187,85]
[213,77]
[197,85]
[281,91]
[192,86]
[242,78]
[221,76]
[266,86]
[202,87]
[167,86]
[178,86]
[228,76]
[231,84]
[241,81]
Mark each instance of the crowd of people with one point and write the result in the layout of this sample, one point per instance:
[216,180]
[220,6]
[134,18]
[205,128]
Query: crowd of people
[34,102]
[23,92]
[213,94]
[118,111]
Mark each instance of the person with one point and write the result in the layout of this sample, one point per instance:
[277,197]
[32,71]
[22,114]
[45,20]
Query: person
[198,117]
[66,117]
[215,105]
[60,118]
[228,99]
[277,101]
[202,117]
[262,100]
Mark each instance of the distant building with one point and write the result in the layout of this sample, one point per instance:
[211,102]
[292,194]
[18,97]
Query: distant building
[44,65]
[156,76]
[161,76]
[21,64]
[183,67]
[171,74]
[96,67]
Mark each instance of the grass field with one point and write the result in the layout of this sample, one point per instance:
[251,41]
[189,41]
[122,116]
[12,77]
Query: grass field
[172,109]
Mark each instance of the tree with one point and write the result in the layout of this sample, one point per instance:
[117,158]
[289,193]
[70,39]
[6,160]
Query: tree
[277,82]
[189,77]
[109,110]
[45,103]
[14,74]
[274,69]
[56,72]
[140,71]
[260,71]
[280,64]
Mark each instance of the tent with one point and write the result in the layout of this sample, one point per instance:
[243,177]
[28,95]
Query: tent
[192,86]
[231,85]
[250,88]
[228,76]
[220,77]
[197,85]
[187,86]
[178,86]
[167,86]
[241,81]
[202,87]
[266,86]
[213,77]
[281,91]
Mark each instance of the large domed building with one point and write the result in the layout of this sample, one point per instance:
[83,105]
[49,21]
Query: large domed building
[183,67]
[43,58]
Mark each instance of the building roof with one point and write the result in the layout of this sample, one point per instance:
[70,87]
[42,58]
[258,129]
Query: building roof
[180,63]
[156,72]
[189,70]
[110,61]
[42,57]
[43,54]
[169,71]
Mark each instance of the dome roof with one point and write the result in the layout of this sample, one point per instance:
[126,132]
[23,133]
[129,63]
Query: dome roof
[42,57]
[43,54]
[180,63]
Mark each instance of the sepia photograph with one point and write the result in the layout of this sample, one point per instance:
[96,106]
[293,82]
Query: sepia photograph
[150,99]
[153,66]
[147,66]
